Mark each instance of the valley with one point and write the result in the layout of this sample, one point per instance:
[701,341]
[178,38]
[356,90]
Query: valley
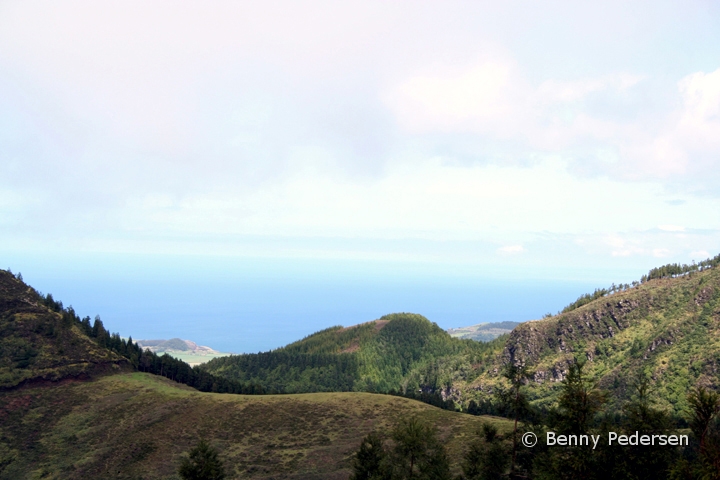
[77,401]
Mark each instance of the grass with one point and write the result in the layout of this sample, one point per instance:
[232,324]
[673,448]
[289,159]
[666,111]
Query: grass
[193,358]
[137,426]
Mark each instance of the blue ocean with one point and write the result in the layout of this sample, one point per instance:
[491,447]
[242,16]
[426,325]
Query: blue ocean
[251,305]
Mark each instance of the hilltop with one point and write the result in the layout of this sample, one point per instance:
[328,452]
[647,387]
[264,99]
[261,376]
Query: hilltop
[401,351]
[665,328]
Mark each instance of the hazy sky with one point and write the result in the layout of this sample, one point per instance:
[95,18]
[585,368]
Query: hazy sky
[489,135]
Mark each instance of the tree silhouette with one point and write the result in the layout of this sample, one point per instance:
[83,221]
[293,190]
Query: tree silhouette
[370,461]
[202,463]
[418,452]
[487,458]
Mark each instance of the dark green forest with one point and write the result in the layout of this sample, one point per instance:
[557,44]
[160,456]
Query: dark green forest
[401,352]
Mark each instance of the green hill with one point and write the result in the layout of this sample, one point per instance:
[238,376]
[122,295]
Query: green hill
[71,409]
[666,329]
[401,352]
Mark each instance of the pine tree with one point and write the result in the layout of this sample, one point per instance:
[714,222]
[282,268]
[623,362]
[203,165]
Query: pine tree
[705,425]
[202,463]
[418,452]
[487,458]
[642,416]
[370,461]
[578,404]
[516,401]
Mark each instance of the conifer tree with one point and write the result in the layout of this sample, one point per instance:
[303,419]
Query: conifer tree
[487,458]
[578,404]
[705,425]
[642,416]
[202,463]
[418,452]
[370,462]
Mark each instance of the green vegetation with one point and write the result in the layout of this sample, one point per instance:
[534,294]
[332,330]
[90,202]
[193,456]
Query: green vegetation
[671,270]
[667,330]
[399,352]
[39,344]
[140,426]
[487,457]
[636,359]
[43,341]
[202,463]
[194,359]
[581,412]
[416,452]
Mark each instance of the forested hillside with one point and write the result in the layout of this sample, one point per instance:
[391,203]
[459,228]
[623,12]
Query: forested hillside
[398,352]
[665,329]
[39,341]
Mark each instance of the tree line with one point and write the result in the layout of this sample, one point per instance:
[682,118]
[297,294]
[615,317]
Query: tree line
[304,366]
[412,448]
[148,361]
[671,270]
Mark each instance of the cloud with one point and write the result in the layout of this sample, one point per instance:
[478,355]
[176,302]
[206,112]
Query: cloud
[495,100]
[482,99]
[511,250]
[552,91]
[671,228]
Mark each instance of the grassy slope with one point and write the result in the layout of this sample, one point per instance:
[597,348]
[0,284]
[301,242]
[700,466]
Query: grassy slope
[38,344]
[667,329]
[133,426]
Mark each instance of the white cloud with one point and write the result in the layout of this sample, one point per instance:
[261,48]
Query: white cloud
[552,91]
[671,228]
[495,99]
[482,98]
[511,250]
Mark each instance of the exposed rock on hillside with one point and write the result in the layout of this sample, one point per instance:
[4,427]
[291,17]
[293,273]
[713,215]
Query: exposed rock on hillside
[667,329]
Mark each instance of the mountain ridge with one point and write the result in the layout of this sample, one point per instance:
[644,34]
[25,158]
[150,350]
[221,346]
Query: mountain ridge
[665,329]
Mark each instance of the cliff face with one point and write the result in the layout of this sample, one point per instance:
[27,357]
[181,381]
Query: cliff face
[39,344]
[666,329]
[531,342]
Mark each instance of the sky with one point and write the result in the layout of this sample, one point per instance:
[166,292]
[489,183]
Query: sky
[377,150]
